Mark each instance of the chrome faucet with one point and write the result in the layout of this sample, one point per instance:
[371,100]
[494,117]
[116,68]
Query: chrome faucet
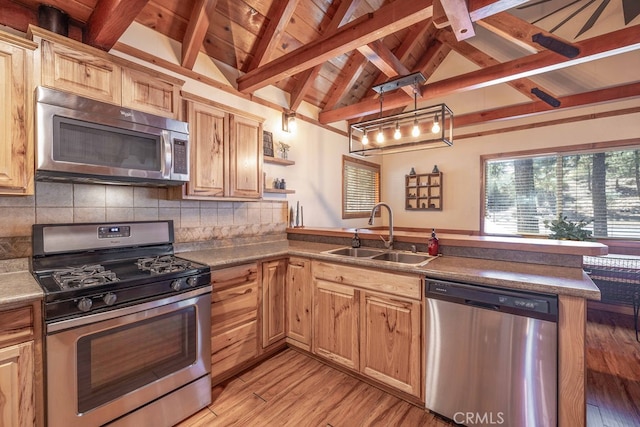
[387,243]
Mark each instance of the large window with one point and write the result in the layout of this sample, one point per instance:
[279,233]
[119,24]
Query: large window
[600,186]
[360,187]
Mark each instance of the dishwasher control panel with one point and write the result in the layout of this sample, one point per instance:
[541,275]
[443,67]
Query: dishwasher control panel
[492,298]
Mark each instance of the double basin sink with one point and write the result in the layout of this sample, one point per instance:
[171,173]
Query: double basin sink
[382,255]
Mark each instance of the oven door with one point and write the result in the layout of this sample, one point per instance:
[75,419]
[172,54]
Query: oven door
[103,366]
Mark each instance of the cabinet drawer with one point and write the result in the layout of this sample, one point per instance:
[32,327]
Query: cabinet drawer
[231,348]
[16,326]
[405,285]
[232,276]
[233,306]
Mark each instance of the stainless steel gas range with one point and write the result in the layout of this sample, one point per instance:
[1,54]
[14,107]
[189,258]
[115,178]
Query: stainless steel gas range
[127,325]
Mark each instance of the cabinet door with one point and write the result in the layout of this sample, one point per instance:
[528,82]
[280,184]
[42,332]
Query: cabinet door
[391,346]
[16,134]
[299,303]
[17,407]
[143,92]
[234,318]
[245,160]
[81,73]
[335,322]
[209,144]
[273,301]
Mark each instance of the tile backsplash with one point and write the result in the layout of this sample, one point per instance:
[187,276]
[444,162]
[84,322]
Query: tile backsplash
[198,224]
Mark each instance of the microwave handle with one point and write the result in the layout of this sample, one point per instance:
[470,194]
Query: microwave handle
[167,153]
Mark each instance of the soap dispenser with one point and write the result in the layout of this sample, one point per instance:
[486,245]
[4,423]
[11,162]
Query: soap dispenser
[355,241]
[433,247]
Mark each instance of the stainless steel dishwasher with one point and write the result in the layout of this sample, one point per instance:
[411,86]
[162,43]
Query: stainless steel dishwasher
[491,355]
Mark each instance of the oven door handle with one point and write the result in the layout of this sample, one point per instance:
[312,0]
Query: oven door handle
[119,312]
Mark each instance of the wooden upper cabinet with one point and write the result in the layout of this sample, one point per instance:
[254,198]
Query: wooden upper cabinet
[140,92]
[71,66]
[226,152]
[81,73]
[208,129]
[245,164]
[16,115]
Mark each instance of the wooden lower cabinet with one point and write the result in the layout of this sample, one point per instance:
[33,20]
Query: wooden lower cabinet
[335,323]
[273,301]
[299,303]
[391,341]
[17,396]
[360,324]
[20,369]
[234,318]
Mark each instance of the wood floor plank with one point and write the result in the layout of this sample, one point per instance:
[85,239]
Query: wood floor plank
[293,389]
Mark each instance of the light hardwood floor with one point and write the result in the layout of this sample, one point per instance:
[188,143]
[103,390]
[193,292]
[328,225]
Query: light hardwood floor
[613,371]
[293,389]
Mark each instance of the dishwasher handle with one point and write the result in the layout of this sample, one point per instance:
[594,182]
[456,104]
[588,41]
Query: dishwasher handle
[482,305]
[521,303]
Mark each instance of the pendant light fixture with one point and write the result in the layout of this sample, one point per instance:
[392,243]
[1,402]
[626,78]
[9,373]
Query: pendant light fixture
[380,136]
[403,131]
[436,126]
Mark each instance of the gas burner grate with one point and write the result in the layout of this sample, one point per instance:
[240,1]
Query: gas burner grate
[163,264]
[84,276]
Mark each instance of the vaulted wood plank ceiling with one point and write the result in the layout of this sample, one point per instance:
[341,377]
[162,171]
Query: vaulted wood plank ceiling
[330,53]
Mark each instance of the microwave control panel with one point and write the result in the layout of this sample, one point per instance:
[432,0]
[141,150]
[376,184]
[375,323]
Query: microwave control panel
[180,156]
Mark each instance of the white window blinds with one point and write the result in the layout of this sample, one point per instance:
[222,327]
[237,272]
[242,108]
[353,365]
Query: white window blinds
[360,187]
[600,187]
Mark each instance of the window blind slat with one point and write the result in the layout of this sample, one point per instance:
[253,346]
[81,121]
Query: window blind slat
[361,187]
[601,187]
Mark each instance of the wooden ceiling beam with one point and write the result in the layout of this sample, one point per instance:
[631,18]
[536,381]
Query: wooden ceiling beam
[457,13]
[478,9]
[350,74]
[614,43]
[532,108]
[384,21]
[516,30]
[483,60]
[196,31]
[109,20]
[279,16]
[307,77]
[384,60]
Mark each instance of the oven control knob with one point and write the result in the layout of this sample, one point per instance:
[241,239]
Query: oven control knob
[110,298]
[85,304]
[176,285]
[192,281]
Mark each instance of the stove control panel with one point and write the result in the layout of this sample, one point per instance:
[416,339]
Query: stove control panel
[114,231]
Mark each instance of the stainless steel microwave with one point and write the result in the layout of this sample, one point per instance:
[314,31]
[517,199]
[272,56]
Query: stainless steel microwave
[81,139]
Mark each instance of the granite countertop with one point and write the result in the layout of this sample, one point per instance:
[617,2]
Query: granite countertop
[20,287]
[512,275]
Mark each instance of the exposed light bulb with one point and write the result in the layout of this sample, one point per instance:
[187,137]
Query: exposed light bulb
[380,137]
[397,134]
[436,126]
[415,132]
[365,139]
